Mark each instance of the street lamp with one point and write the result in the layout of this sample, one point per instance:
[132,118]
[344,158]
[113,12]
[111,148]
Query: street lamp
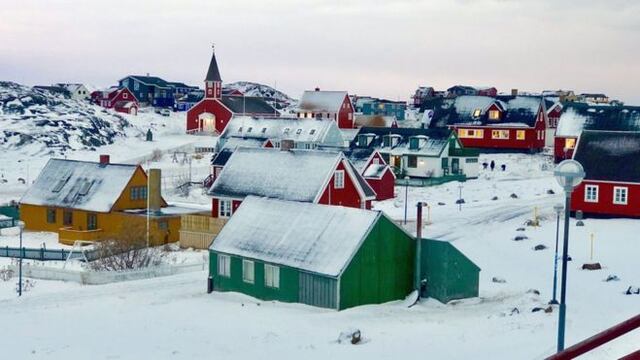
[21,226]
[569,174]
[406,197]
[460,197]
[558,209]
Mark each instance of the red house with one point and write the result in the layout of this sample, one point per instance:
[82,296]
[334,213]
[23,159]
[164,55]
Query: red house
[320,177]
[334,105]
[611,160]
[215,110]
[120,99]
[577,117]
[374,170]
[503,122]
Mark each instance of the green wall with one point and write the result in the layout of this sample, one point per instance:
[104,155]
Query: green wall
[287,292]
[383,268]
[450,274]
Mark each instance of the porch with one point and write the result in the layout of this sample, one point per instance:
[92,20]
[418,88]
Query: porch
[69,236]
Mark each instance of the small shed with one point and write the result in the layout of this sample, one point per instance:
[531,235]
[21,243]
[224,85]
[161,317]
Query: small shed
[449,274]
[328,256]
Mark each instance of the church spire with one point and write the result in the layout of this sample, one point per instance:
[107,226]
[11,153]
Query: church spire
[213,81]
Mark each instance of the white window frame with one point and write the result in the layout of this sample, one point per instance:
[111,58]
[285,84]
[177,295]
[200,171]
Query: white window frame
[225,208]
[271,276]
[623,190]
[248,271]
[338,179]
[587,193]
[224,265]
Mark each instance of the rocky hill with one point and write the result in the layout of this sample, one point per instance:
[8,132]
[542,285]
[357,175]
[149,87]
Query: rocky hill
[271,95]
[50,123]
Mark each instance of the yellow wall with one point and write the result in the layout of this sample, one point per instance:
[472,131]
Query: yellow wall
[139,178]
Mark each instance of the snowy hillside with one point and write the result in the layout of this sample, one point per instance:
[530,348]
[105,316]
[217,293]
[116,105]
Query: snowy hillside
[269,93]
[49,123]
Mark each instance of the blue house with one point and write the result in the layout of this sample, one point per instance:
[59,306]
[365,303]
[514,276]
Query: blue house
[150,90]
[185,102]
[373,106]
[182,89]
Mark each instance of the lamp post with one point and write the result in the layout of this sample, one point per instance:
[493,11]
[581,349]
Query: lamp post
[460,197]
[21,226]
[569,174]
[406,197]
[558,209]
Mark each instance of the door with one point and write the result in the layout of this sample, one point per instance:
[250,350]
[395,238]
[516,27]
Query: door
[207,122]
[455,165]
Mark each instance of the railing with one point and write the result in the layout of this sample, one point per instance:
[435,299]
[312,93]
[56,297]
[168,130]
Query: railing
[431,181]
[43,254]
[600,339]
[68,235]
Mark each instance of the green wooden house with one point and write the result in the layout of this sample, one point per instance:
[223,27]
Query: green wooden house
[327,256]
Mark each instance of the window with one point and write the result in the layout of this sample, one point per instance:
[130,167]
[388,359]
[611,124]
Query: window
[413,143]
[92,221]
[134,193]
[307,146]
[319,116]
[494,115]
[412,161]
[143,192]
[386,141]
[224,208]
[299,131]
[264,130]
[286,130]
[470,133]
[163,225]
[51,216]
[224,265]
[477,113]
[248,273]
[620,195]
[338,179]
[249,129]
[125,95]
[591,193]
[312,131]
[350,116]
[240,129]
[271,276]
[138,193]
[569,143]
[471,160]
[136,86]
[375,161]
[67,218]
[363,140]
[500,134]
[209,91]
[520,134]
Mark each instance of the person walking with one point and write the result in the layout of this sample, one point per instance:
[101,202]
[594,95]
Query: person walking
[493,165]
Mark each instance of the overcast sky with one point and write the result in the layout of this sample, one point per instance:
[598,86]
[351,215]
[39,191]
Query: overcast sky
[367,47]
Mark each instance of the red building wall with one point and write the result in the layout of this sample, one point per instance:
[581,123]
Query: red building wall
[384,187]
[347,196]
[605,205]
[559,152]
[534,137]
[222,114]
[346,111]
[214,206]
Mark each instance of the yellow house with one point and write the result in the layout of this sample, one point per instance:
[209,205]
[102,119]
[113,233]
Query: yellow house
[90,201]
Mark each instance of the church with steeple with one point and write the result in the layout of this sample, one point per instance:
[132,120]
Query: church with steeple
[212,114]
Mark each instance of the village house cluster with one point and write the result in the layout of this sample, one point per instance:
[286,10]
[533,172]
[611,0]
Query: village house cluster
[292,191]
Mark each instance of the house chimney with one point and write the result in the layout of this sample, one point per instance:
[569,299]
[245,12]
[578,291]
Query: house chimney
[286,145]
[317,89]
[514,92]
[104,159]
[155,198]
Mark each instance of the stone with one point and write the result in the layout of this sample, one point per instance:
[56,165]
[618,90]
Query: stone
[494,198]
[550,192]
[498,280]
[533,291]
[612,278]
[520,237]
[513,196]
[539,247]
[594,266]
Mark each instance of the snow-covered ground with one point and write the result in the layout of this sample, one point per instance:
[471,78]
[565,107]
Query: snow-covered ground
[174,318]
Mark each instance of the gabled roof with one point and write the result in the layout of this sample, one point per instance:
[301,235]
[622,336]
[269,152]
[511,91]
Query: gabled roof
[375,171]
[149,80]
[221,158]
[213,74]
[298,175]
[359,156]
[248,105]
[516,110]
[299,130]
[316,238]
[609,155]
[79,185]
[435,140]
[322,101]
[576,117]
[192,97]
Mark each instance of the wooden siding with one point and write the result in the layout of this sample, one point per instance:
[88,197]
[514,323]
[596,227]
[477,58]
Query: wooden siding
[317,290]
[605,206]
[382,269]
[347,196]
[213,106]
[198,231]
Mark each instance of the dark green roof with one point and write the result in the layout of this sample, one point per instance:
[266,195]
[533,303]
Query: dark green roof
[610,155]
[150,80]
[247,105]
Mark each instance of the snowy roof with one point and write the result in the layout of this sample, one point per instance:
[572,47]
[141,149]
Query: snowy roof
[610,155]
[328,101]
[374,120]
[299,130]
[247,105]
[297,175]
[79,185]
[315,238]
[233,143]
[149,80]
[433,141]
[576,117]
[375,171]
